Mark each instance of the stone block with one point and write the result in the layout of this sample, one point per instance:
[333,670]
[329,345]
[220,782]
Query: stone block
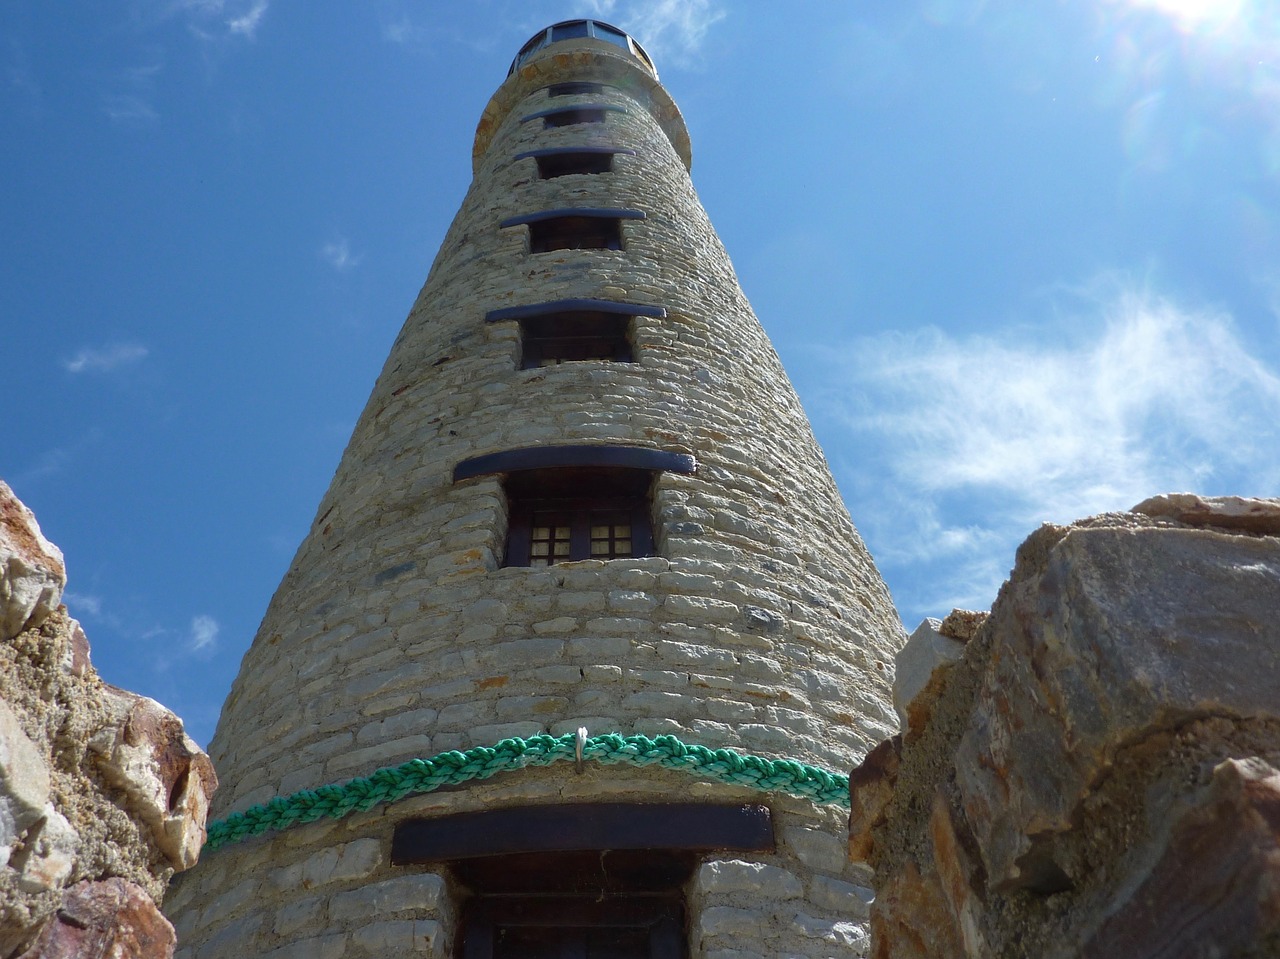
[48,853]
[397,937]
[752,878]
[841,898]
[816,848]
[317,947]
[353,860]
[303,914]
[422,891]
[838,932]
[919,672]
[726,920]
[24,782]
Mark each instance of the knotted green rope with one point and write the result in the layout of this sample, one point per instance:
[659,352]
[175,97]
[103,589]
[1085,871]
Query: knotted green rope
[388,785]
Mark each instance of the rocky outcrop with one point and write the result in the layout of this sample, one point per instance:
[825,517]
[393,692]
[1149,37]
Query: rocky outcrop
[1094,773]
[102,795]
[32,574]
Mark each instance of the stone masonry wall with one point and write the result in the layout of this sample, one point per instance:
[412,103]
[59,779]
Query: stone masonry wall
[1096,772]
[762,623]
[328,890]
[102,795]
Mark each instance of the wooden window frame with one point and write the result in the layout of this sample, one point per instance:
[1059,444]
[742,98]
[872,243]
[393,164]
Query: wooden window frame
[527,511]
[568,868]
[566,922]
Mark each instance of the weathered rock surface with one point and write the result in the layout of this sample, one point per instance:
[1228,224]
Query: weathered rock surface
[1238,513]
[1127,631]
[871,788]
[102,795]
[1096,774]
[145,751]
[32,574]
[1218,880]
[920,670]
[113,918]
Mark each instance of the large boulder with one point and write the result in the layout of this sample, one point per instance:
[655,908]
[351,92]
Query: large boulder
[1127,629]
[1095,773]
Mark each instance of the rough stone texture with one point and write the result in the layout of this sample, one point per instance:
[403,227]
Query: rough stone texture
[102,795]
[761,624]
[1097,776]
[1261,516]
[920,670]
[871,790]
[113,918]
[1129,631]
[32,574]
[963,624]
[1214,890]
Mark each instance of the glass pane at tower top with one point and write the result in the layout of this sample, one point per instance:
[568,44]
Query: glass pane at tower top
[578,29]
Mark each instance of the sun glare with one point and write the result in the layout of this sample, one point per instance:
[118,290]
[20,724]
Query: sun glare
[1195,15]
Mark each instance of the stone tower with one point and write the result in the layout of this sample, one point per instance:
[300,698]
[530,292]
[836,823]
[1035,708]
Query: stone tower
[582,494]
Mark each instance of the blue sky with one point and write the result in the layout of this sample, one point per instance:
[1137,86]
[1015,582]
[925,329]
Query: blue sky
[1021,260]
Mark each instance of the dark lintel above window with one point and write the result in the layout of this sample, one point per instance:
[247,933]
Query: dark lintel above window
[552,457]
[583,826]
[564,306]
[590,212]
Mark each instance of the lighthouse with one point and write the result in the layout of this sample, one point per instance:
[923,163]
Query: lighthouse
[582,617]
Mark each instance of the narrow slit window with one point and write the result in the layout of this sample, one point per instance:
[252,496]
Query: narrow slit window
[562,164]
[576,86]
[573,513]
[575,233]
[567,337]
[565,118]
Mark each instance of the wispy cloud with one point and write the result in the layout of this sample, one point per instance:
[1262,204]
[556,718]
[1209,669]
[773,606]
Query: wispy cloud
[81,603]
[671,30]
[964,445]
[17,71]
[403,30]
[246,23]
[217,19]
[204,634]
[105,359]
[128,106]
[338,255]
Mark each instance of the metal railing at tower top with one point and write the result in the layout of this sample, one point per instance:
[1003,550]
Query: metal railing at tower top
[577,30]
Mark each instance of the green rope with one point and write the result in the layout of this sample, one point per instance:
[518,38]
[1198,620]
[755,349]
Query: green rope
[388,785]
